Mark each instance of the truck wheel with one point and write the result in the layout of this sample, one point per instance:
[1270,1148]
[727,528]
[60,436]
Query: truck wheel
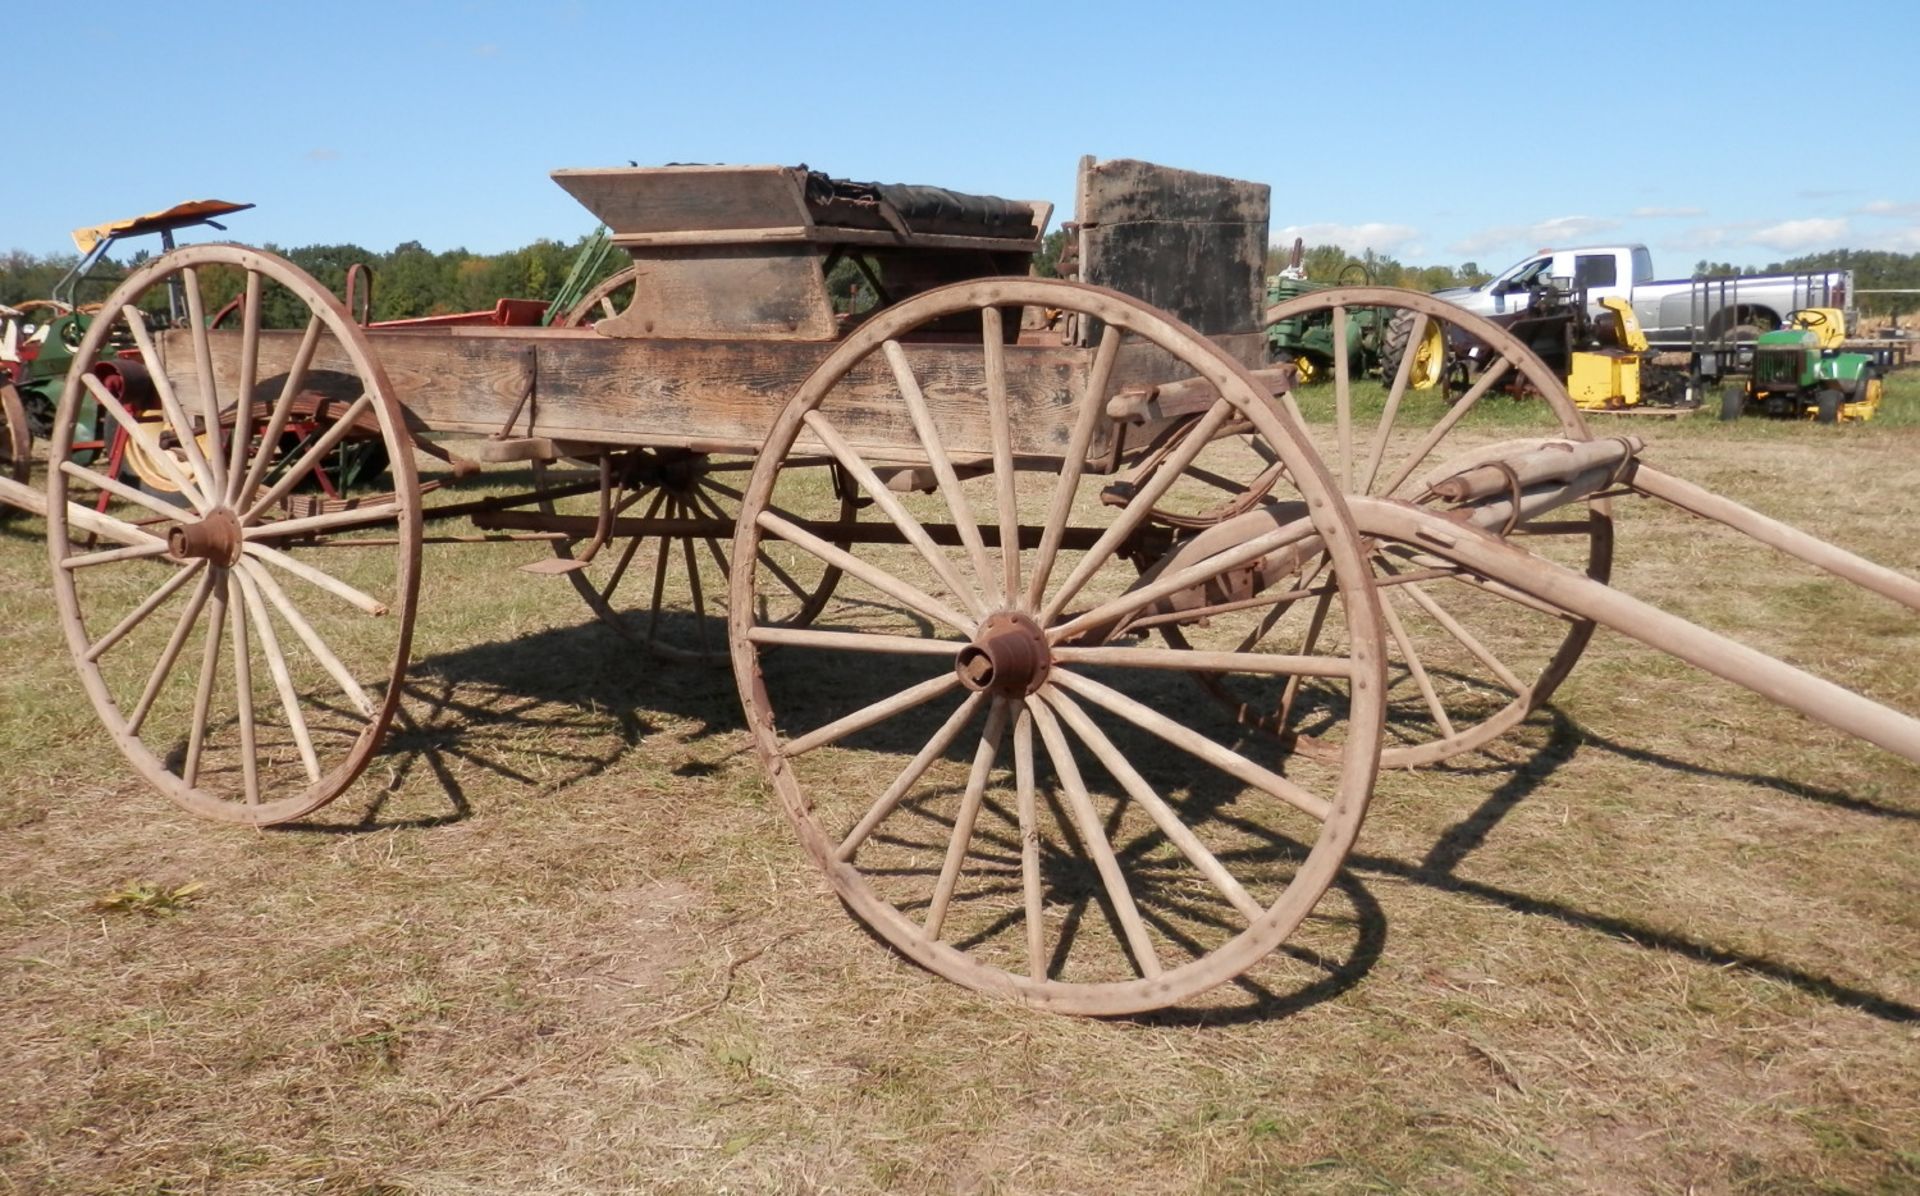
[1828,411]
[1733,402]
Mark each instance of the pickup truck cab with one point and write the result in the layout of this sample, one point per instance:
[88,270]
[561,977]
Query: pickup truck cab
[1674,314]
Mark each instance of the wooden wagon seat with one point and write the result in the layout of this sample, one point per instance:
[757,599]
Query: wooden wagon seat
[908,209]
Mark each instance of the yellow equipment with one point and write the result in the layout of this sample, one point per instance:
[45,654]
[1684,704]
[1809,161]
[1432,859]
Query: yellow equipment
[1609,379]
[1829,324]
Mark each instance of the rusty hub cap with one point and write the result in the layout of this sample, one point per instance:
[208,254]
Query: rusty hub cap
[1008,656]
[216,537]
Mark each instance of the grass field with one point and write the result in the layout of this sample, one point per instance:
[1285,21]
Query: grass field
[1663,938]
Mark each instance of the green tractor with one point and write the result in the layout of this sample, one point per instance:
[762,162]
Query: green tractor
[1800,372]
[1374,342]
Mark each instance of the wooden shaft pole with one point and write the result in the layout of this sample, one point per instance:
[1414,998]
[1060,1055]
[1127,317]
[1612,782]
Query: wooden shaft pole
[1581,596]
[1788,539]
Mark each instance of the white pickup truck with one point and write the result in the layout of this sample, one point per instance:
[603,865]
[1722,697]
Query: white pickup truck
[1676,314]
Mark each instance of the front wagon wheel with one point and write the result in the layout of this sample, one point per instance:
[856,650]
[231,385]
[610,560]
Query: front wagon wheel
[995,775]
[244,648]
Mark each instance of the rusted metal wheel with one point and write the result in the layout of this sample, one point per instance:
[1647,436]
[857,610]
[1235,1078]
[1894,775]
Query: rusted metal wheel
[665,588]
[1115,883]
[245,656]
[16,442]
[1465,664]
[610,298]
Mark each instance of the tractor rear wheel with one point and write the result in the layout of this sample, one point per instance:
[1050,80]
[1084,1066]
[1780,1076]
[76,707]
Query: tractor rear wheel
[1430,356]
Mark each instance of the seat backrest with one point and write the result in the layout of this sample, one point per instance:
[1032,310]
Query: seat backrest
[1193,245]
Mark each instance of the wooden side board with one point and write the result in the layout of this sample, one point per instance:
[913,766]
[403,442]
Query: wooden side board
[718,395]
[1193,245]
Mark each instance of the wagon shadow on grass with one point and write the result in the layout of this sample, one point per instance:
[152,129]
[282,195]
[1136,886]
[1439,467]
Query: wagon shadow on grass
[474,709]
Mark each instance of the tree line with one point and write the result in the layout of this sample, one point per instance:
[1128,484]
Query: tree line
[413,281]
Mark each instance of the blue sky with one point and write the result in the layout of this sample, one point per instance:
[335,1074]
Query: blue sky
[1437,132]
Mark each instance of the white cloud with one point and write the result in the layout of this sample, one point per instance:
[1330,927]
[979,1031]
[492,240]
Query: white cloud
[1887,207]
[486,50]
[1560,230]
[1656,213]
[322,155]
[1818,232]
[1354,238]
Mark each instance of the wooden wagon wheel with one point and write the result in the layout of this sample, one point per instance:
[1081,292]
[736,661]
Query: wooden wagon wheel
[610,298]
[666,592]
[1464,664]
[1112,890]
[300,625]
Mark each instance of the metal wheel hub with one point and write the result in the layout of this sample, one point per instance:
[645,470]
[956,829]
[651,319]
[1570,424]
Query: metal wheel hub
[1008,656]
[216,537]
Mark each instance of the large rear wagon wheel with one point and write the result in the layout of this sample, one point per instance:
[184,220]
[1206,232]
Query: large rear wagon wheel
[244,653]
[1465,664]
[1159,858]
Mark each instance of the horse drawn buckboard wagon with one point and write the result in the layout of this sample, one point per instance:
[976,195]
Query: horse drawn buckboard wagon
[991,522]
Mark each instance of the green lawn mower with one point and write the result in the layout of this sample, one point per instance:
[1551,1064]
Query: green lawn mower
[1800,372]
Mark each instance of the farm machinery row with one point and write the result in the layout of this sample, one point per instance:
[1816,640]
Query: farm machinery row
[1594,342]
[1069,647]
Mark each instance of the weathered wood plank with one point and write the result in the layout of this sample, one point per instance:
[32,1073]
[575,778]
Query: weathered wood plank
[760,291]
[646,199]
[1193,245]
[713,394]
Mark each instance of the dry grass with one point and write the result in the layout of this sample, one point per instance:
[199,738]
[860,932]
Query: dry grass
[1664,938]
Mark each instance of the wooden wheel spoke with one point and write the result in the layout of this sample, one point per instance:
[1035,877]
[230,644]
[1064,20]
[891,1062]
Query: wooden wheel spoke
[1315,624]
[1280,608]
[108,556]
[243,391]
[326,521]
[342,676]
[282,678]
[315,577]
[662,553]
[909,776]
[693,583]
[853,566]
[854,641]
[120,490]
[1384,428]
[139,613]
[263,455]
[1342,398]
[968,813]
[1445,424]
[171,653]
[943,472]
[1112,879]
[1199,661]
[1093,408]
[215,458]
[243,692]
[1195,574]
[142,435]
[1138,507]
[1192,742]
[1465,638]
[1163,815]
[872,713]
[209,671]
[1033,898]
[632,547]
[1414,666]
[1006,498]
[205,481]
[307,461]
[903,519]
